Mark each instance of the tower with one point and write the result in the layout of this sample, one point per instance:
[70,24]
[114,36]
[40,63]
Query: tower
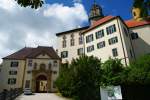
[137,14]
[96,13]
[140,10]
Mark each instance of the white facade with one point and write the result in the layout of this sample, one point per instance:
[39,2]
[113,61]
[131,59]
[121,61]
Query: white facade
[141,44]
[72,50]
[124,46]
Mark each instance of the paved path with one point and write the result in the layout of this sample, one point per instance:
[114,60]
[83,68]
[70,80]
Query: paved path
[40,96]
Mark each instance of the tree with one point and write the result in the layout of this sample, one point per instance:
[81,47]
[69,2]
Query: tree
[64,81]
[31,3]
[111,72]
[83,78]
[139,71]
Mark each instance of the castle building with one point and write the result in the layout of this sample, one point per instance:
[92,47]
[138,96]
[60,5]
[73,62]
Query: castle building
[34,68]
[107,36]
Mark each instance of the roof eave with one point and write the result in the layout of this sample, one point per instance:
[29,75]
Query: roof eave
[74,30]
[100,24]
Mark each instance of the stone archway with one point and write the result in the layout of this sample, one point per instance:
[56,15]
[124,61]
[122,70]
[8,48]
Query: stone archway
[40,77]
[41,84]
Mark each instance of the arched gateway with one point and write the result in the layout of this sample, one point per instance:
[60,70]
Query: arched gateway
[41,84]
[41,81]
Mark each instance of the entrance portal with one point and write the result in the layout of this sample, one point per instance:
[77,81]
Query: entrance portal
[41,84]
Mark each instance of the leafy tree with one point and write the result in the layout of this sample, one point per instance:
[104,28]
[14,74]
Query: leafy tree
[139,71]
[64,81]
[81,80]
[31,3]
[111,72]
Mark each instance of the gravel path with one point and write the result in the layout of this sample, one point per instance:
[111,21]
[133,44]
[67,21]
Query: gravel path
[40,96]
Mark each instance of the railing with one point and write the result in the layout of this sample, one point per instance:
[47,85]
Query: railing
[10,95]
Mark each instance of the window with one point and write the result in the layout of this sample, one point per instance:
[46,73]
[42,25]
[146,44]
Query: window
[72,35]
[72,42]
[134,36]
[55,63]
[90,48]
[113,40]
[49,66]
[111,29]
[64,43]
[35,66]
[27,85]
[89,38]
[42,66]
[12,81]
[80,39]
[12,72]
[30,63]
[101,44]
[14,64]
[64,54]
[29,72]
[100,34]
[54,72]
[115,52]
[80,51]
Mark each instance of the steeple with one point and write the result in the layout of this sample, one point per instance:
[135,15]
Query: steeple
[140,10]
[96,13]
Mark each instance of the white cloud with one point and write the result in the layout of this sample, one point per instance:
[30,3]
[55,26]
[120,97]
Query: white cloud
[24,26]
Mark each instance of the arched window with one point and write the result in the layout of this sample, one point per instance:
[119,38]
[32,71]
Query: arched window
[64,43]
[42,66]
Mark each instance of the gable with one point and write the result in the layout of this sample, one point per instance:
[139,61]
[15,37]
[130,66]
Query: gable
[43,55]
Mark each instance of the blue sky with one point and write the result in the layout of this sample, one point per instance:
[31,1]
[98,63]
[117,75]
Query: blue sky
[110,7]
[32,27]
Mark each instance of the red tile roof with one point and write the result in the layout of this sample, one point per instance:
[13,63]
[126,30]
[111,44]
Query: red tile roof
[99,22]
[32,53]
[133,23]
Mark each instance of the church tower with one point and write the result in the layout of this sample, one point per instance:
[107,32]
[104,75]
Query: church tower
[96,13]
[137,14]
[140,10]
